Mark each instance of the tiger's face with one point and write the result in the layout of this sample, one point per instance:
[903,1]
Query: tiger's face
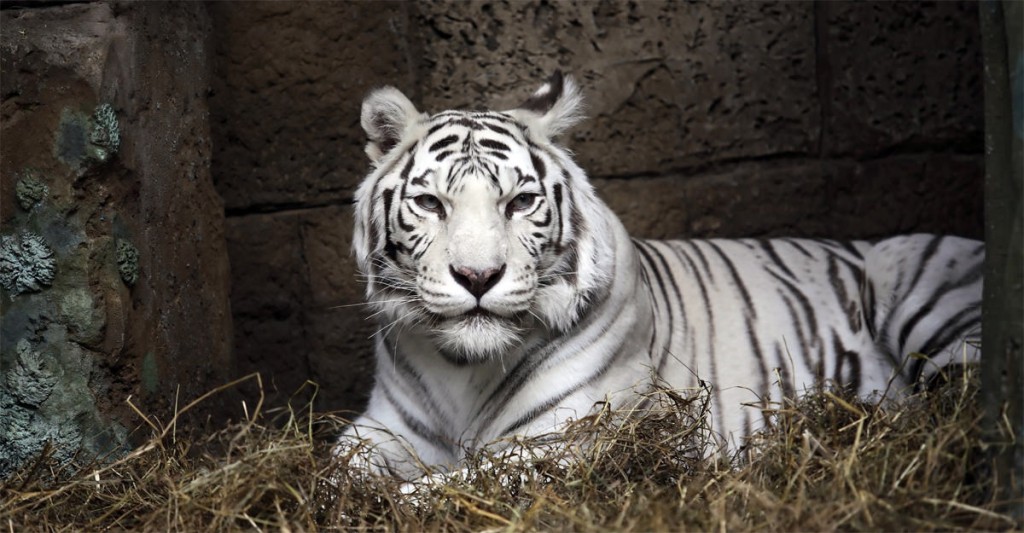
[470,226]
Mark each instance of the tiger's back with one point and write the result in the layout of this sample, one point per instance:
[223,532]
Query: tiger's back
[761,320]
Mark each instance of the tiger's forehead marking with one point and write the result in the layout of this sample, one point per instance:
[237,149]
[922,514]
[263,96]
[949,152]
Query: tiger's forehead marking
[471,144]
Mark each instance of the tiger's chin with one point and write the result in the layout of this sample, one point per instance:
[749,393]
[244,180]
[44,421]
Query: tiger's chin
[476,338]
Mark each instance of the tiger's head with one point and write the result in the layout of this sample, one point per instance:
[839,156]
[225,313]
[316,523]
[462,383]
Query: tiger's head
[476,226]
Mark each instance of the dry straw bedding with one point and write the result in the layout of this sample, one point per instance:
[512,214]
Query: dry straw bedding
[829,463]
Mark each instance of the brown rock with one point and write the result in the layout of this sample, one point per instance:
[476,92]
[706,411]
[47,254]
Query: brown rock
[667,85]
[105,105]
[285,102]
[901,75]
[298,306]
[839,199]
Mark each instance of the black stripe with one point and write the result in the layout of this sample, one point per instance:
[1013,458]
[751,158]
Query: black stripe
[848,306]
[498,129]
[523,178]
[642,247]
[973,276]
[845,357]
[797,320]
[736,279]
[390,249]
[672,282]
[953,328]
[556,190]
[703,260]
[785,381]
[849,247]
[423,431]
[538,165]
[411,379]
[795,244]
[769,248]
[420,181]
[758,355]
[926,257]
[553,401]
[869,305]
[712,359]
[494,145]
[443,142]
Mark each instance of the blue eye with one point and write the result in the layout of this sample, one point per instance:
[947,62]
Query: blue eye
[429,202]
[521,202]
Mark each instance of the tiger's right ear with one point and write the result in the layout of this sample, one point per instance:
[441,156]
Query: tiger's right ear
[386,117]
[552,109]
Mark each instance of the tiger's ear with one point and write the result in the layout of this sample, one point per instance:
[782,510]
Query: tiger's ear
[553,108]
[387,115]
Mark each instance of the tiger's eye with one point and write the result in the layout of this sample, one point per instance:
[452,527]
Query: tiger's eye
[521,202]
[428,202]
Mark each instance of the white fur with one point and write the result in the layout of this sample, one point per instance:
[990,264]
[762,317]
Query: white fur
[566,113]
[387,115]
[582,318]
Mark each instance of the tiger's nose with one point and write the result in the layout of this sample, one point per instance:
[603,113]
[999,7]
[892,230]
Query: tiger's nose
[477,282]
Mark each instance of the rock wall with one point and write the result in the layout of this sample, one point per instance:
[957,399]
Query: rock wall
[113,265]
[842,119]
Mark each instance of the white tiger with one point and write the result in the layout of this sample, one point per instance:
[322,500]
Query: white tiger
[512,299]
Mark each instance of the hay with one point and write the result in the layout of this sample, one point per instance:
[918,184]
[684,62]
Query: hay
[830,462]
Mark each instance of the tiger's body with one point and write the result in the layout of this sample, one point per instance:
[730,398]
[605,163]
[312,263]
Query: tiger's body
[514,300]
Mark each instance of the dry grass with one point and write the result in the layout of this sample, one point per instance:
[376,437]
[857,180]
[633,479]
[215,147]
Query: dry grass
[831,463]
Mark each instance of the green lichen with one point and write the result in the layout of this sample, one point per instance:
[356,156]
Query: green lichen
[86,140]
[26,263]
[29,190]
[24,432]
[127,262]
[29,381]
[105,134]
[79,313]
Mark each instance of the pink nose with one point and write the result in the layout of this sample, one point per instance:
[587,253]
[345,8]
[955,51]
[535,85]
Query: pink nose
[477,282]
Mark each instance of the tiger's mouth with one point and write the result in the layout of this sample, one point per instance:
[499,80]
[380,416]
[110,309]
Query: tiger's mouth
[480,312]
[477,335]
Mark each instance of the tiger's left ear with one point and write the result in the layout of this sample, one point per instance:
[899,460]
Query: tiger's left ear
[552,109]
[386,117]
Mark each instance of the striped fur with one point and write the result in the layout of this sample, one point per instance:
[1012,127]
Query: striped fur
[511,299]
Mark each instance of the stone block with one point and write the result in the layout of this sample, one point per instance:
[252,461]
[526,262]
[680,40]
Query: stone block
[901,75]
[289,81]
[841,199]
[298,306]
[667,85]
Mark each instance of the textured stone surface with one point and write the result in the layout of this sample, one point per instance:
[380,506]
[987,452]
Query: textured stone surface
[901,74]
[667,84]
[290,77]
[136,172]
[833,199]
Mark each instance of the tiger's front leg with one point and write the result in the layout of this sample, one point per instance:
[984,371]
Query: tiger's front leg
[369,446]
